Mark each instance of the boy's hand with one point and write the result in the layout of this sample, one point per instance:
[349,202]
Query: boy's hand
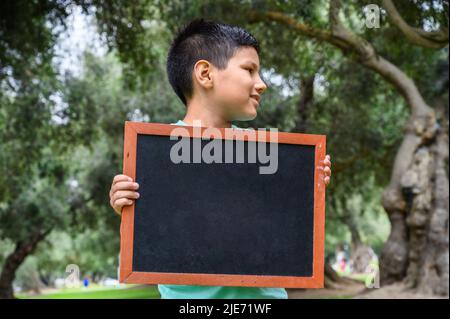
[327,169]
[122,193]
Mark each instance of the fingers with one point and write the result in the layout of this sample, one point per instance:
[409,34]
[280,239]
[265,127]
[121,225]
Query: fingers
[327,169]
[123,192]
[327,165]
[121,177]
[123,186]
[327,161]
[120,203]
[122,181]
[123,198]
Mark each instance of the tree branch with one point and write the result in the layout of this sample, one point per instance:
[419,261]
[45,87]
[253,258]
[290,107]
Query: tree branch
[303,29]
[433,40]
[360,50]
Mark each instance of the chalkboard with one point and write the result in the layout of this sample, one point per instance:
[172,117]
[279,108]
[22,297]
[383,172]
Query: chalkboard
[223,222]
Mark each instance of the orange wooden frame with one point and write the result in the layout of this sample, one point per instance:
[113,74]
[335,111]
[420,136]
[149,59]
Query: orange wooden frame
[127,275]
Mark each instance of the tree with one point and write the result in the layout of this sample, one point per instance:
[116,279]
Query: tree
[362,75]
[33,163]
[416,198]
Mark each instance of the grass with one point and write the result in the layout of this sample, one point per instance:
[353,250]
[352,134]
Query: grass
[127,292]
[134,292]
[360,277]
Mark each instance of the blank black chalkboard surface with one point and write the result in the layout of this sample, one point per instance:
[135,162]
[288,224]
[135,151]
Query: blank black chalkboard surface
[234,218]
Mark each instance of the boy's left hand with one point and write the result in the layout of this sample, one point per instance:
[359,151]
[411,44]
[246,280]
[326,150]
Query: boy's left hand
[327,169]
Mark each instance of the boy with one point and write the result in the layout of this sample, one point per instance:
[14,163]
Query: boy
[214,70]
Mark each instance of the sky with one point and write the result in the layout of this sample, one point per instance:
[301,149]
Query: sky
[81,34]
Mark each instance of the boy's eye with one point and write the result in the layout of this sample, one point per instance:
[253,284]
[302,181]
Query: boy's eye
[249,69]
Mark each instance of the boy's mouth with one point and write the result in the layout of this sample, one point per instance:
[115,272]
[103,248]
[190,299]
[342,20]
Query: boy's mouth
[256,97]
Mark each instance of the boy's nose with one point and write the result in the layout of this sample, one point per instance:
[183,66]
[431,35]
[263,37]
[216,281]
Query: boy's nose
[261,86]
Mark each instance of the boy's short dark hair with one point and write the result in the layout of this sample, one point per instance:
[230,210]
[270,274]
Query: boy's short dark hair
[200,39]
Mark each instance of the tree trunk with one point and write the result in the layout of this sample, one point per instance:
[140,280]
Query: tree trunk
[331,278]
[23,249]
[361,255]
[416,199]
[306,100]
[417,205]
[350,221]
[431,271]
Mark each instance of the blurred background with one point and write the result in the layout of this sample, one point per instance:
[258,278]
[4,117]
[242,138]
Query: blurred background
[371,75]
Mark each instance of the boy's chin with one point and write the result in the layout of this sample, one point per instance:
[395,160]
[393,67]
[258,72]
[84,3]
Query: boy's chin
[247,116]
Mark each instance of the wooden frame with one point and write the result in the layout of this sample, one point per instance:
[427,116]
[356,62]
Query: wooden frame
[127,275]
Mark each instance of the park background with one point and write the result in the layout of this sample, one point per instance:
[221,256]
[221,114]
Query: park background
[371,75]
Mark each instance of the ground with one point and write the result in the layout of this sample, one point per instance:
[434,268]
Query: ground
[356,290]
[396,291]
[359,291]
[346,292]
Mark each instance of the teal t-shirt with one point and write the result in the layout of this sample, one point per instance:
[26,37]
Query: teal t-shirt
[219,292]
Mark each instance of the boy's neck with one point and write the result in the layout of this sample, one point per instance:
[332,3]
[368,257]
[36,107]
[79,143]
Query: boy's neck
[206,116]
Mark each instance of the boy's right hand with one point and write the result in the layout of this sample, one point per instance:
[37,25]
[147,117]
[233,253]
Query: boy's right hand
[123,192]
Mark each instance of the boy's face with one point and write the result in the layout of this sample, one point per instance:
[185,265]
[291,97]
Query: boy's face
[237,88]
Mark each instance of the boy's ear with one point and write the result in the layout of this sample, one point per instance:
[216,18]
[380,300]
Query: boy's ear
[202,72]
